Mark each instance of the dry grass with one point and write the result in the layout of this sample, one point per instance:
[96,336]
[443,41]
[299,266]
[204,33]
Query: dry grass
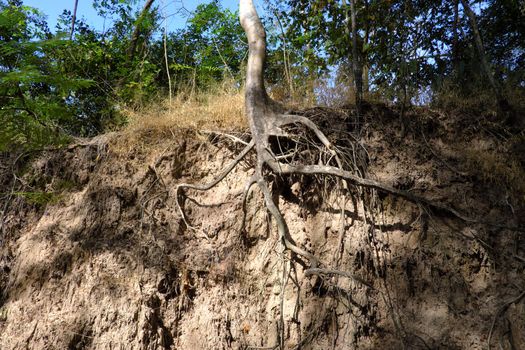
[196,111]
[150,127]
[451,100]
[482,101]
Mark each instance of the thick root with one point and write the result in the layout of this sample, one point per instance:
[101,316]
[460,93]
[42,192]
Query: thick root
[369,183]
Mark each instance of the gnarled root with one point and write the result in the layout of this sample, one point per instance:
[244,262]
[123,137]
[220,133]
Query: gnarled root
[180,187]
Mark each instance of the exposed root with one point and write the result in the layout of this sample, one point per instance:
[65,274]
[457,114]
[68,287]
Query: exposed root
[265,157]
[222,175]
[245,197]
[282,227]
[369,183]
[286,119]
[229,136]
[318,271]
[267,160]
[205,187]
[500,313]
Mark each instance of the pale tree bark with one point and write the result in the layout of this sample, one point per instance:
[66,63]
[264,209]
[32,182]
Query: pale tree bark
[166,61]
[286,58]
[264,117]
[136,32]
[364,61]
[74,19]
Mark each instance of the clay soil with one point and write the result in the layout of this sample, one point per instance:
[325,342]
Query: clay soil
[94,253]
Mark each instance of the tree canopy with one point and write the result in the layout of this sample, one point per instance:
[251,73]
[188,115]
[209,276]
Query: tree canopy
[57,84]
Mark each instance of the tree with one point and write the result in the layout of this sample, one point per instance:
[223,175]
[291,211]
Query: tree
[128,48]
[35,95]
[51,88]
[216,39]
[268,121]
[389,49]
[139,24]
[73,20]
[356,58]
[210,48]
[485,66]
[455,40]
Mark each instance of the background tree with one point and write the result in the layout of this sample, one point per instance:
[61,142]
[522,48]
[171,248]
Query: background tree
[397,51]
[356,58]
[140,25]
[34,94]
[210,48]
[73,20]
[487,70]
[413,51]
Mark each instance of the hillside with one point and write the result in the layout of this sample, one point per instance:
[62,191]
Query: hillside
[95,254]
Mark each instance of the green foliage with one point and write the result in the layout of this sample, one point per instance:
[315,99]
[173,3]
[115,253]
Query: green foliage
[408,47]
[210,47]
[33,91]
[122,78]
[52,88]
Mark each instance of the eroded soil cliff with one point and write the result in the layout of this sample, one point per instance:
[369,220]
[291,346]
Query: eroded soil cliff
[95,255]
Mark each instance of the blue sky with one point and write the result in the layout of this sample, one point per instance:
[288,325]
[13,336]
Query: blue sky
[53,8]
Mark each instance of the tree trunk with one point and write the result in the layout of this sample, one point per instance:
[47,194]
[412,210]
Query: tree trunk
[260,109]
[73,20]
[166,61]
[136,31]
[286,57]
[266,119]
[455,40]
[364,53]
[485,66]
[356,61]
[357,70]
[509,115]
[255,94]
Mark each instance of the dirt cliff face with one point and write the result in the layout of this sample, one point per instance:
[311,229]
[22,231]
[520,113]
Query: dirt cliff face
[95,254]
